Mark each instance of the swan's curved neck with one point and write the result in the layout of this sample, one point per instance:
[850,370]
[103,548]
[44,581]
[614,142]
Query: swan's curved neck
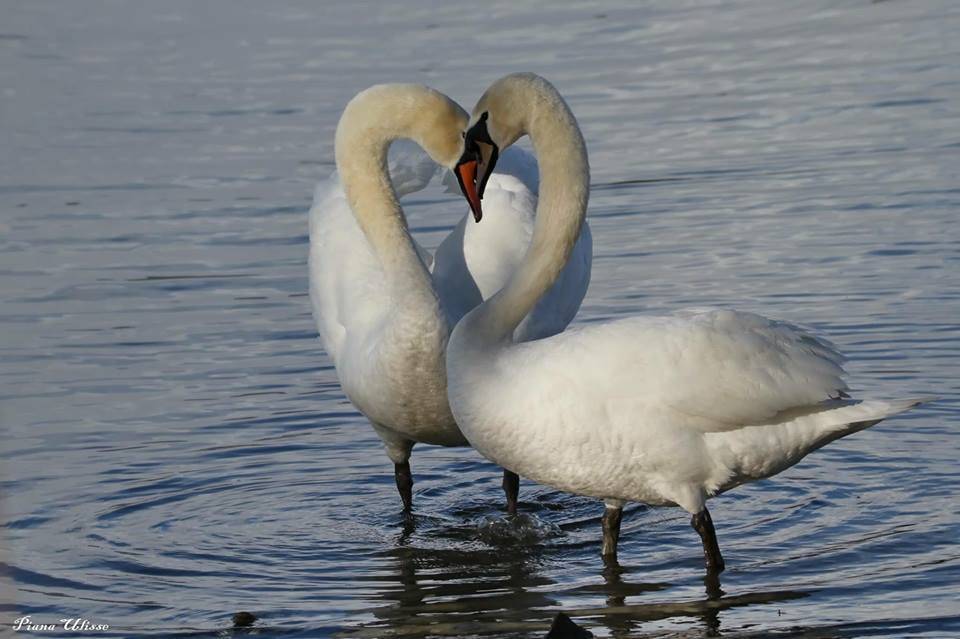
[561,209]
[361,151]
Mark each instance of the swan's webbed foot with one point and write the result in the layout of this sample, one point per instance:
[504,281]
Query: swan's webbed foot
[703,524]
[401,473]
[511,486]
[612,516]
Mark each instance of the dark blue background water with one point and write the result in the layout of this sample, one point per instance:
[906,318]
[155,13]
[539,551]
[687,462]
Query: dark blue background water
[176,446]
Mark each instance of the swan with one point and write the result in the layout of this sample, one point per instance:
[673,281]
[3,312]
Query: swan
[381,313]
[668,411]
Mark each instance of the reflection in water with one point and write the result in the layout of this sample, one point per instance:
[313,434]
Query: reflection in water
[431,590]
[625,620]
[490,591]
[616,591]
[711,618]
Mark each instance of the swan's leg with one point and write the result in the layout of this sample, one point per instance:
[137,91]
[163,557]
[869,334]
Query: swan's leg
[401,472]
[612,514]
[398,450]
[511,486]
[703,524]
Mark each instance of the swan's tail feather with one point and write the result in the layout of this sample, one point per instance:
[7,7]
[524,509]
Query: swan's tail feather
[755,452]
[872,412]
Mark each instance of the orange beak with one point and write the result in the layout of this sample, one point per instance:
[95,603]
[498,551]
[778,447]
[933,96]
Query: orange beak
[467,176]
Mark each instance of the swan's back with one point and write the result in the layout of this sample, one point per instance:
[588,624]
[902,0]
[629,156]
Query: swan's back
[709,371]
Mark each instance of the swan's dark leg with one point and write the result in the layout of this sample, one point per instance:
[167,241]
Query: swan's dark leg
[703,524]
[401,473]
[511,486]
[612,514]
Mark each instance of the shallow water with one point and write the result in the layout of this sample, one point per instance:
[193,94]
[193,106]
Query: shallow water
[176,447]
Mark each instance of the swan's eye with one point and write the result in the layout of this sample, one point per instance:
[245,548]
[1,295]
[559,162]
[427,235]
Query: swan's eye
[463,134]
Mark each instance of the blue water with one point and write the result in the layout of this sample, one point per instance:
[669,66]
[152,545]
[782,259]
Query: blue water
[176,447]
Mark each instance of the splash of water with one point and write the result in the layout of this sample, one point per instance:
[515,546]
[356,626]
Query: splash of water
[522,528]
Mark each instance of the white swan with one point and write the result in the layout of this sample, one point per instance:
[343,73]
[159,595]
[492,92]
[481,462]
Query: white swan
[380,314]
[661,410]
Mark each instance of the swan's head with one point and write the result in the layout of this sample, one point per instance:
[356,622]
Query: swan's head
[383,113]
[438,124]
[500,118]
[474,167]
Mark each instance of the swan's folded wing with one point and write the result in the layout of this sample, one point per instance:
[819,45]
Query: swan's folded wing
[522,165]
[739,368]
[410,168]
[557,308]
[711,370]
[347,289]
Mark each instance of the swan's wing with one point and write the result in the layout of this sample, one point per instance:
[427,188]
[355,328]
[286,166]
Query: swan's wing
[452,280]
[410,168]
[712,370]
[557,308]
[740,368]
[520,164]
[476,260]
[347,287]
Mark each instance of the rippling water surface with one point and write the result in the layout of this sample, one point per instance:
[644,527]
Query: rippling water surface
[176,447]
